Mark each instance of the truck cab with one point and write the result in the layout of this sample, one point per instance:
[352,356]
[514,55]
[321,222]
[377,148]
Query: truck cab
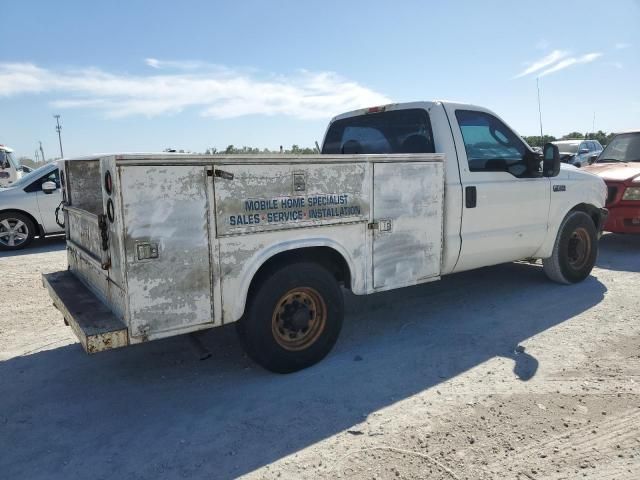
[499,204]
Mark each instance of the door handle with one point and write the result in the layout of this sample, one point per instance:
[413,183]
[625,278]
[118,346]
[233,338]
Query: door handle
[470,197]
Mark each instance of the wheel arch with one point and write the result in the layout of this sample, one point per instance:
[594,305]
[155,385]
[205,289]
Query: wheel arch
[589,210]
[325,252]
[552,234]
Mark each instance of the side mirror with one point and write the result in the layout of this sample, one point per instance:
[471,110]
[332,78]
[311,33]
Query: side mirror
[551,162]
[49,187]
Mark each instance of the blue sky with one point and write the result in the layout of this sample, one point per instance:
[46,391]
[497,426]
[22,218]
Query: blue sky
[143,76]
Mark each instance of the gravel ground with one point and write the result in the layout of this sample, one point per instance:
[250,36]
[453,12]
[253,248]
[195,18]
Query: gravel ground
[495,373]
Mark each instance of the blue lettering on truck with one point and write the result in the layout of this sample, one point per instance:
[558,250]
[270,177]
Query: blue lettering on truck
[294,209]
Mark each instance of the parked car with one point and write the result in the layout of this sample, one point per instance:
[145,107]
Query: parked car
[27,207]
[619,166]
[578,152]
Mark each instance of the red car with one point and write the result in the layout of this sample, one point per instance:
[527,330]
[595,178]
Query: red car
[619,166]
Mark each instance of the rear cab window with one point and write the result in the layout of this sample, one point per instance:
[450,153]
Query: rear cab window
[395,131]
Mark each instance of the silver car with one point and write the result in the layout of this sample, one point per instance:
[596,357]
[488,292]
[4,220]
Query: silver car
[27,208]
[578,152]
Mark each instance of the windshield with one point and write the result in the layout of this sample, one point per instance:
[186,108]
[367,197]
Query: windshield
[31,176]
[623,148]
[7,160]
[567,147]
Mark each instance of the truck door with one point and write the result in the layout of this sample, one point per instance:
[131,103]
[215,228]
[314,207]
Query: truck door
[505,210]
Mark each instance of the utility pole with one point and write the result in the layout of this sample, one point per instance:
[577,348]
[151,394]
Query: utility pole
[36,157]
[58,129]
[44,159]
[539,111]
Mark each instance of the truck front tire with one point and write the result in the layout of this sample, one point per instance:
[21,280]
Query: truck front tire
[293,317]
[575,250]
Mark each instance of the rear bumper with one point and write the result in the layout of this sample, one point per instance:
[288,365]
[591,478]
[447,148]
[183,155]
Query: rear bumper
[94,324]
[623,220]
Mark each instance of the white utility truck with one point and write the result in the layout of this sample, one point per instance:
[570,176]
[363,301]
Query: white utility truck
[166,244]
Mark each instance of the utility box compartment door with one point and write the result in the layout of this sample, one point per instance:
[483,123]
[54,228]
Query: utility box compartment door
[407,227]
[166,243]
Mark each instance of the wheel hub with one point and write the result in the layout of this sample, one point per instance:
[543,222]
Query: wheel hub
[579,248]
[298,318]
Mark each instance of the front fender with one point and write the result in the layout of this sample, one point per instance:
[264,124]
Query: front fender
[582,191]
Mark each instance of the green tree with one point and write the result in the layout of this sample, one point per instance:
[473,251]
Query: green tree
[603,137]
[573,135]
[536,141]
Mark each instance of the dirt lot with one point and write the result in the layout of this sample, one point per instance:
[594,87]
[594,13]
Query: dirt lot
[495,373]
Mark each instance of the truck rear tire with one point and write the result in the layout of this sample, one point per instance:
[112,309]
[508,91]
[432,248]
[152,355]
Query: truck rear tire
[575,250]
[293,319]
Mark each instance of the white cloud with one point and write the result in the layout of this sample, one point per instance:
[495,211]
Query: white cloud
[568,62]
[622,45]
[215,90]
[543,62]
[556,61]
[176,64]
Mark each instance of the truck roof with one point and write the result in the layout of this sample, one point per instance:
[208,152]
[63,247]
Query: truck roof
[401,106]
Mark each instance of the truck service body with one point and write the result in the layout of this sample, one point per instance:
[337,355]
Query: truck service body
[165,244]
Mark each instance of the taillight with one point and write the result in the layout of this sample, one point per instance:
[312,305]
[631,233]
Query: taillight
[378,109]
[108,182]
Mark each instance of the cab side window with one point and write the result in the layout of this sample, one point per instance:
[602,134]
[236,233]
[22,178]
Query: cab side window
[490,145]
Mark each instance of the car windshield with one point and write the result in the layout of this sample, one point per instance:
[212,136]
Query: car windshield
[623,148]
[31,176]
[567,147]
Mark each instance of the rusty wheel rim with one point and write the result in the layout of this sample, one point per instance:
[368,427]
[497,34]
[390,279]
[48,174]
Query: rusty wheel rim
[299,318]
[579,248]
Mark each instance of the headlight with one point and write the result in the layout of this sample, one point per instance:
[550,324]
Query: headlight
[631,193]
